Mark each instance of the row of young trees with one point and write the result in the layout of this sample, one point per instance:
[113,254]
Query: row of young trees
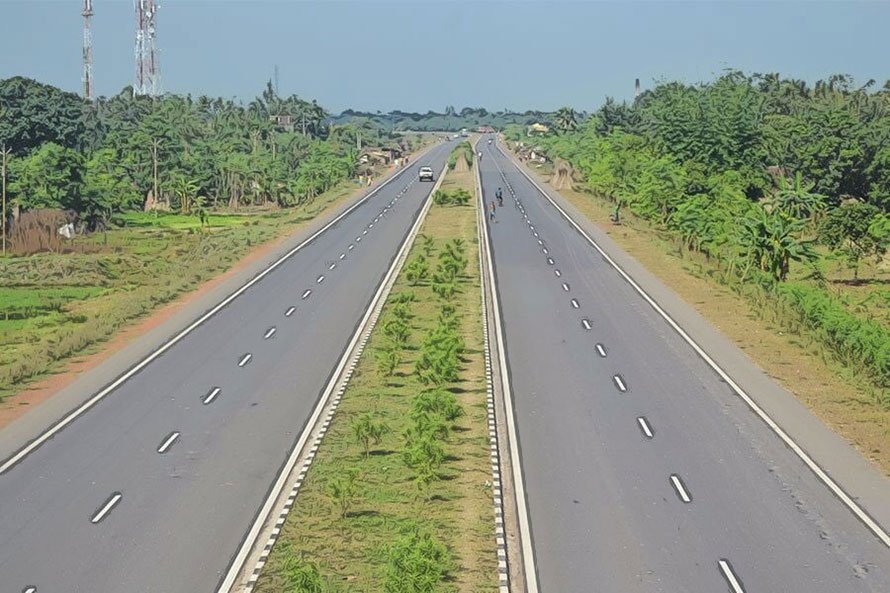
[113,154]
[755,172]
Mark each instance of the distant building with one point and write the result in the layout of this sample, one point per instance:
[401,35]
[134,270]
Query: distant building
[283,121]
[485,129]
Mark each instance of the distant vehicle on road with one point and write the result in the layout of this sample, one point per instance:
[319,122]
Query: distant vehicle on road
[426,174]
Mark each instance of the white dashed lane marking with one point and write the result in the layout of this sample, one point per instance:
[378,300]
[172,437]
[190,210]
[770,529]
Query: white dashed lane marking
[351,247]
[586,323]
[245,359]
[106,507]
[619,383]
[269,333]
[566,287]
[30,589]
[726,568]
[319,280]
[211,395]
[342,256]
[290,312]
[306,294]
[332,266]
[168,442]
[575,303]
[601,350]
[550,261]
[644,426]
[680,488]
[558,273]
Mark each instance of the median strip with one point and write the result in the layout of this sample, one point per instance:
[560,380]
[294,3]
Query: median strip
[403,473]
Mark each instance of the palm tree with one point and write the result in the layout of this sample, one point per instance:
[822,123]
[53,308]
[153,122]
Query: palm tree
[566,119]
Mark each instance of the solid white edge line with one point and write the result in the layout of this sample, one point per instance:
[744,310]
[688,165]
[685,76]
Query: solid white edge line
[681,490]
[644,426]
[730,577]
[857,510]
[71,416]
[250,540]
[531,575]
[167,442]
[107,507]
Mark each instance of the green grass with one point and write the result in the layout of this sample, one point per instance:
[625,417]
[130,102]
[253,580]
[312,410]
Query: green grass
[353,552]
[54,306]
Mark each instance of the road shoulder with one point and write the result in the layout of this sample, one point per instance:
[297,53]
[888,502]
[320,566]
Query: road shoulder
[46,402]
[861,479]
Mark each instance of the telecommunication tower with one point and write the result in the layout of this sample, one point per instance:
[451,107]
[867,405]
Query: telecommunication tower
[87,50]
[147,69]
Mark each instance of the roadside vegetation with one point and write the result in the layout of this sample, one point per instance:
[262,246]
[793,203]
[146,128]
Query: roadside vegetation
[784,249]
[159,195]
[398,499]
[781,189]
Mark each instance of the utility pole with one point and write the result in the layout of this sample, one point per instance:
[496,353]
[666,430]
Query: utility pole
[5,153]
[87,50]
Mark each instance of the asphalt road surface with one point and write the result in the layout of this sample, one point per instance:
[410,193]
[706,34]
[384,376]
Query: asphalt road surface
[644,472]
[153,489]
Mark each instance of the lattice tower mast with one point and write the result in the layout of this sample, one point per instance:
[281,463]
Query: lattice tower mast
[87,49]
[147,68]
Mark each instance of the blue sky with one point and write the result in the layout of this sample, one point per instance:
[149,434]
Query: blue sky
[428,54]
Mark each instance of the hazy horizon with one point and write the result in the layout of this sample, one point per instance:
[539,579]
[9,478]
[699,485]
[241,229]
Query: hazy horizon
[428,54]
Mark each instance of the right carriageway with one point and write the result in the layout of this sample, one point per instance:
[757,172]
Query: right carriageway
[643,469]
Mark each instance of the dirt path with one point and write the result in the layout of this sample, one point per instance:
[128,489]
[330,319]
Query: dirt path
[39,391]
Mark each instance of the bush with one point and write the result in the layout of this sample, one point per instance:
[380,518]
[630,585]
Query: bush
[417,563]
[858,342]
[456,197]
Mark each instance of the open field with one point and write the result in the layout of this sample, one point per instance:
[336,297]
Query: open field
[54,306]
[352,547]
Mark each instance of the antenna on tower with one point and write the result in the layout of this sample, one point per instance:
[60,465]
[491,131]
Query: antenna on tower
[87,49]
[147,68]
[277,92]
[637,88]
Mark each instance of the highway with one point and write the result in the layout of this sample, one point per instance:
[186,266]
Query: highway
[154,487]
[644,472]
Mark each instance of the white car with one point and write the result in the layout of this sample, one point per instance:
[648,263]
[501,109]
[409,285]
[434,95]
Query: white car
[426,174]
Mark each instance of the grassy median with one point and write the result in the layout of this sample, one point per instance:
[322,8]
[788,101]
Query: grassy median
[399,495]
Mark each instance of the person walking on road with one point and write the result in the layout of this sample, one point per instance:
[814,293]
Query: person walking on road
[500,196]
[491,212]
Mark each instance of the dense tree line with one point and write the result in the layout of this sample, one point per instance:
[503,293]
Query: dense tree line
[749,169]
[448,120]
[187,153]
[754,172]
